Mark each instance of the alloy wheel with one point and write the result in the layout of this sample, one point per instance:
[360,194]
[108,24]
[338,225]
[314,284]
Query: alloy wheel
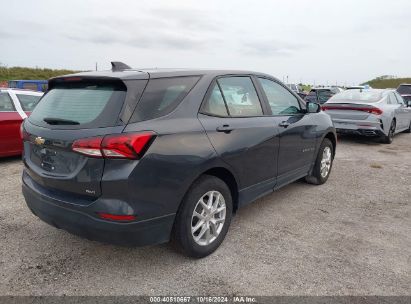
[326,162]
[208,218]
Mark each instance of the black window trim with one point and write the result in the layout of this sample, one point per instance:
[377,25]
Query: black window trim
[215,82]
[303,109]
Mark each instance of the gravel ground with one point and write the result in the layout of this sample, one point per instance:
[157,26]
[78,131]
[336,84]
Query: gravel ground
[351,236]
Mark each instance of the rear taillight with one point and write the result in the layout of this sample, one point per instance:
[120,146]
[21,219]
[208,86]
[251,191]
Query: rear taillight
[24,135]
[88,146]
[125,145]
[371,110]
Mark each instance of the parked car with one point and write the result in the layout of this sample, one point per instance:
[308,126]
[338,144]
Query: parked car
[139,157]
[302,95]
[405,91]
[320,95]
[293,87]
[15,106]
[372,112]
[363,87]
[34,85]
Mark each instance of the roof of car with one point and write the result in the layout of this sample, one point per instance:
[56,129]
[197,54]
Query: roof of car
[22,91]
[159,73]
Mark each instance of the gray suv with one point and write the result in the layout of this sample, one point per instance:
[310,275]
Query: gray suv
[137,157]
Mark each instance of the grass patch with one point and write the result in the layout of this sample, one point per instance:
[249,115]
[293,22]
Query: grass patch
[18,73]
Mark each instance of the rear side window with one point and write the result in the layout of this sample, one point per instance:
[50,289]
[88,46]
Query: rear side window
[81,105]
[162,96]
[215,104]
[240,96]
[6,105]
[28,102]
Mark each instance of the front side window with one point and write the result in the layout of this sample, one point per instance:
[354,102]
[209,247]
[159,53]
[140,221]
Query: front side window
[240,96]
[281,101]
[162,96]
[28,102]
[6,104]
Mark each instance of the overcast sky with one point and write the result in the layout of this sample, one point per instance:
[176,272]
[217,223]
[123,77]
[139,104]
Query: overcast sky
[347,41]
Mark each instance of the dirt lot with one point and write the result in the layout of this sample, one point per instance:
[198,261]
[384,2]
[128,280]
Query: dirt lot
[351,236]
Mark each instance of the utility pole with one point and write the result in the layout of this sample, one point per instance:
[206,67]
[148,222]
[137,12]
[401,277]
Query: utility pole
[96,66]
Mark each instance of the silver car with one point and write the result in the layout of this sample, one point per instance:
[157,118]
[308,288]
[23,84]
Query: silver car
[370,112]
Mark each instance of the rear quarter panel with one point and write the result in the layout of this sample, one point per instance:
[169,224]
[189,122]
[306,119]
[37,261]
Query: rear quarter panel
[156,184]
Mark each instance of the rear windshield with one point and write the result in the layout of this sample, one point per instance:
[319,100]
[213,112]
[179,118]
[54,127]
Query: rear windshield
[80,105]
[368,96]
[162,96]
[404,89]
[28,102]
[324,95]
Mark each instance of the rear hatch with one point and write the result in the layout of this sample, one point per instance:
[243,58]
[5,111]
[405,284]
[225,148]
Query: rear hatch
[74,108]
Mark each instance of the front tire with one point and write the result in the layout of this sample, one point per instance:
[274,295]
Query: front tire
[323,164]
[204,217]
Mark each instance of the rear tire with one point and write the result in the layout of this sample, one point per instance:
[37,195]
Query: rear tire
[409,128]
[387,139]
[212,225]
[323,164]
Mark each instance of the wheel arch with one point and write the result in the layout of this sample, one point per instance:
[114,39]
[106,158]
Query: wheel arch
[333,138]
[227,177]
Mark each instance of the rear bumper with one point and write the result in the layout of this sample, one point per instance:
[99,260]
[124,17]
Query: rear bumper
[362,132]
[140,233]
[370,127]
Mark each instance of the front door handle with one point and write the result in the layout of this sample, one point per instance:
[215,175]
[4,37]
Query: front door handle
[284,124]
[225,129]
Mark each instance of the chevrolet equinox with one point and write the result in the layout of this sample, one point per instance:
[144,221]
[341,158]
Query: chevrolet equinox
[138,157]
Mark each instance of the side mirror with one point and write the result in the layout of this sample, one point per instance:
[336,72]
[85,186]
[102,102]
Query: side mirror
[408,103]
[313,107]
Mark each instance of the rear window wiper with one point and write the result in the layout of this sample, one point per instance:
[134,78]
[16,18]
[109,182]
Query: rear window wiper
[60,121]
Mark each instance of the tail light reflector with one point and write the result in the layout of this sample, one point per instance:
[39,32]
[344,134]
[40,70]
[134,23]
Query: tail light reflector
[371,110]
[24,135]
[116,217]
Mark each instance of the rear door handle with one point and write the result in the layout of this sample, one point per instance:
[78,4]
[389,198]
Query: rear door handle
[225,129]
[284,124]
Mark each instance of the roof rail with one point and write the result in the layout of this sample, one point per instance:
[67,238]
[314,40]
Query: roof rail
[119,66]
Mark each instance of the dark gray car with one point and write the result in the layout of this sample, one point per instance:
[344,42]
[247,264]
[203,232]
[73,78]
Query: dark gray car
[138,157]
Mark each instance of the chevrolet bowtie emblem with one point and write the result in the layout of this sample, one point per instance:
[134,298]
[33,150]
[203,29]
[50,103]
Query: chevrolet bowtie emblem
[39,141]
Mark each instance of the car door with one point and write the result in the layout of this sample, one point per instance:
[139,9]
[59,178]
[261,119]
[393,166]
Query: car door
[403,112]
[246,140]
[297,131]
[10,121]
